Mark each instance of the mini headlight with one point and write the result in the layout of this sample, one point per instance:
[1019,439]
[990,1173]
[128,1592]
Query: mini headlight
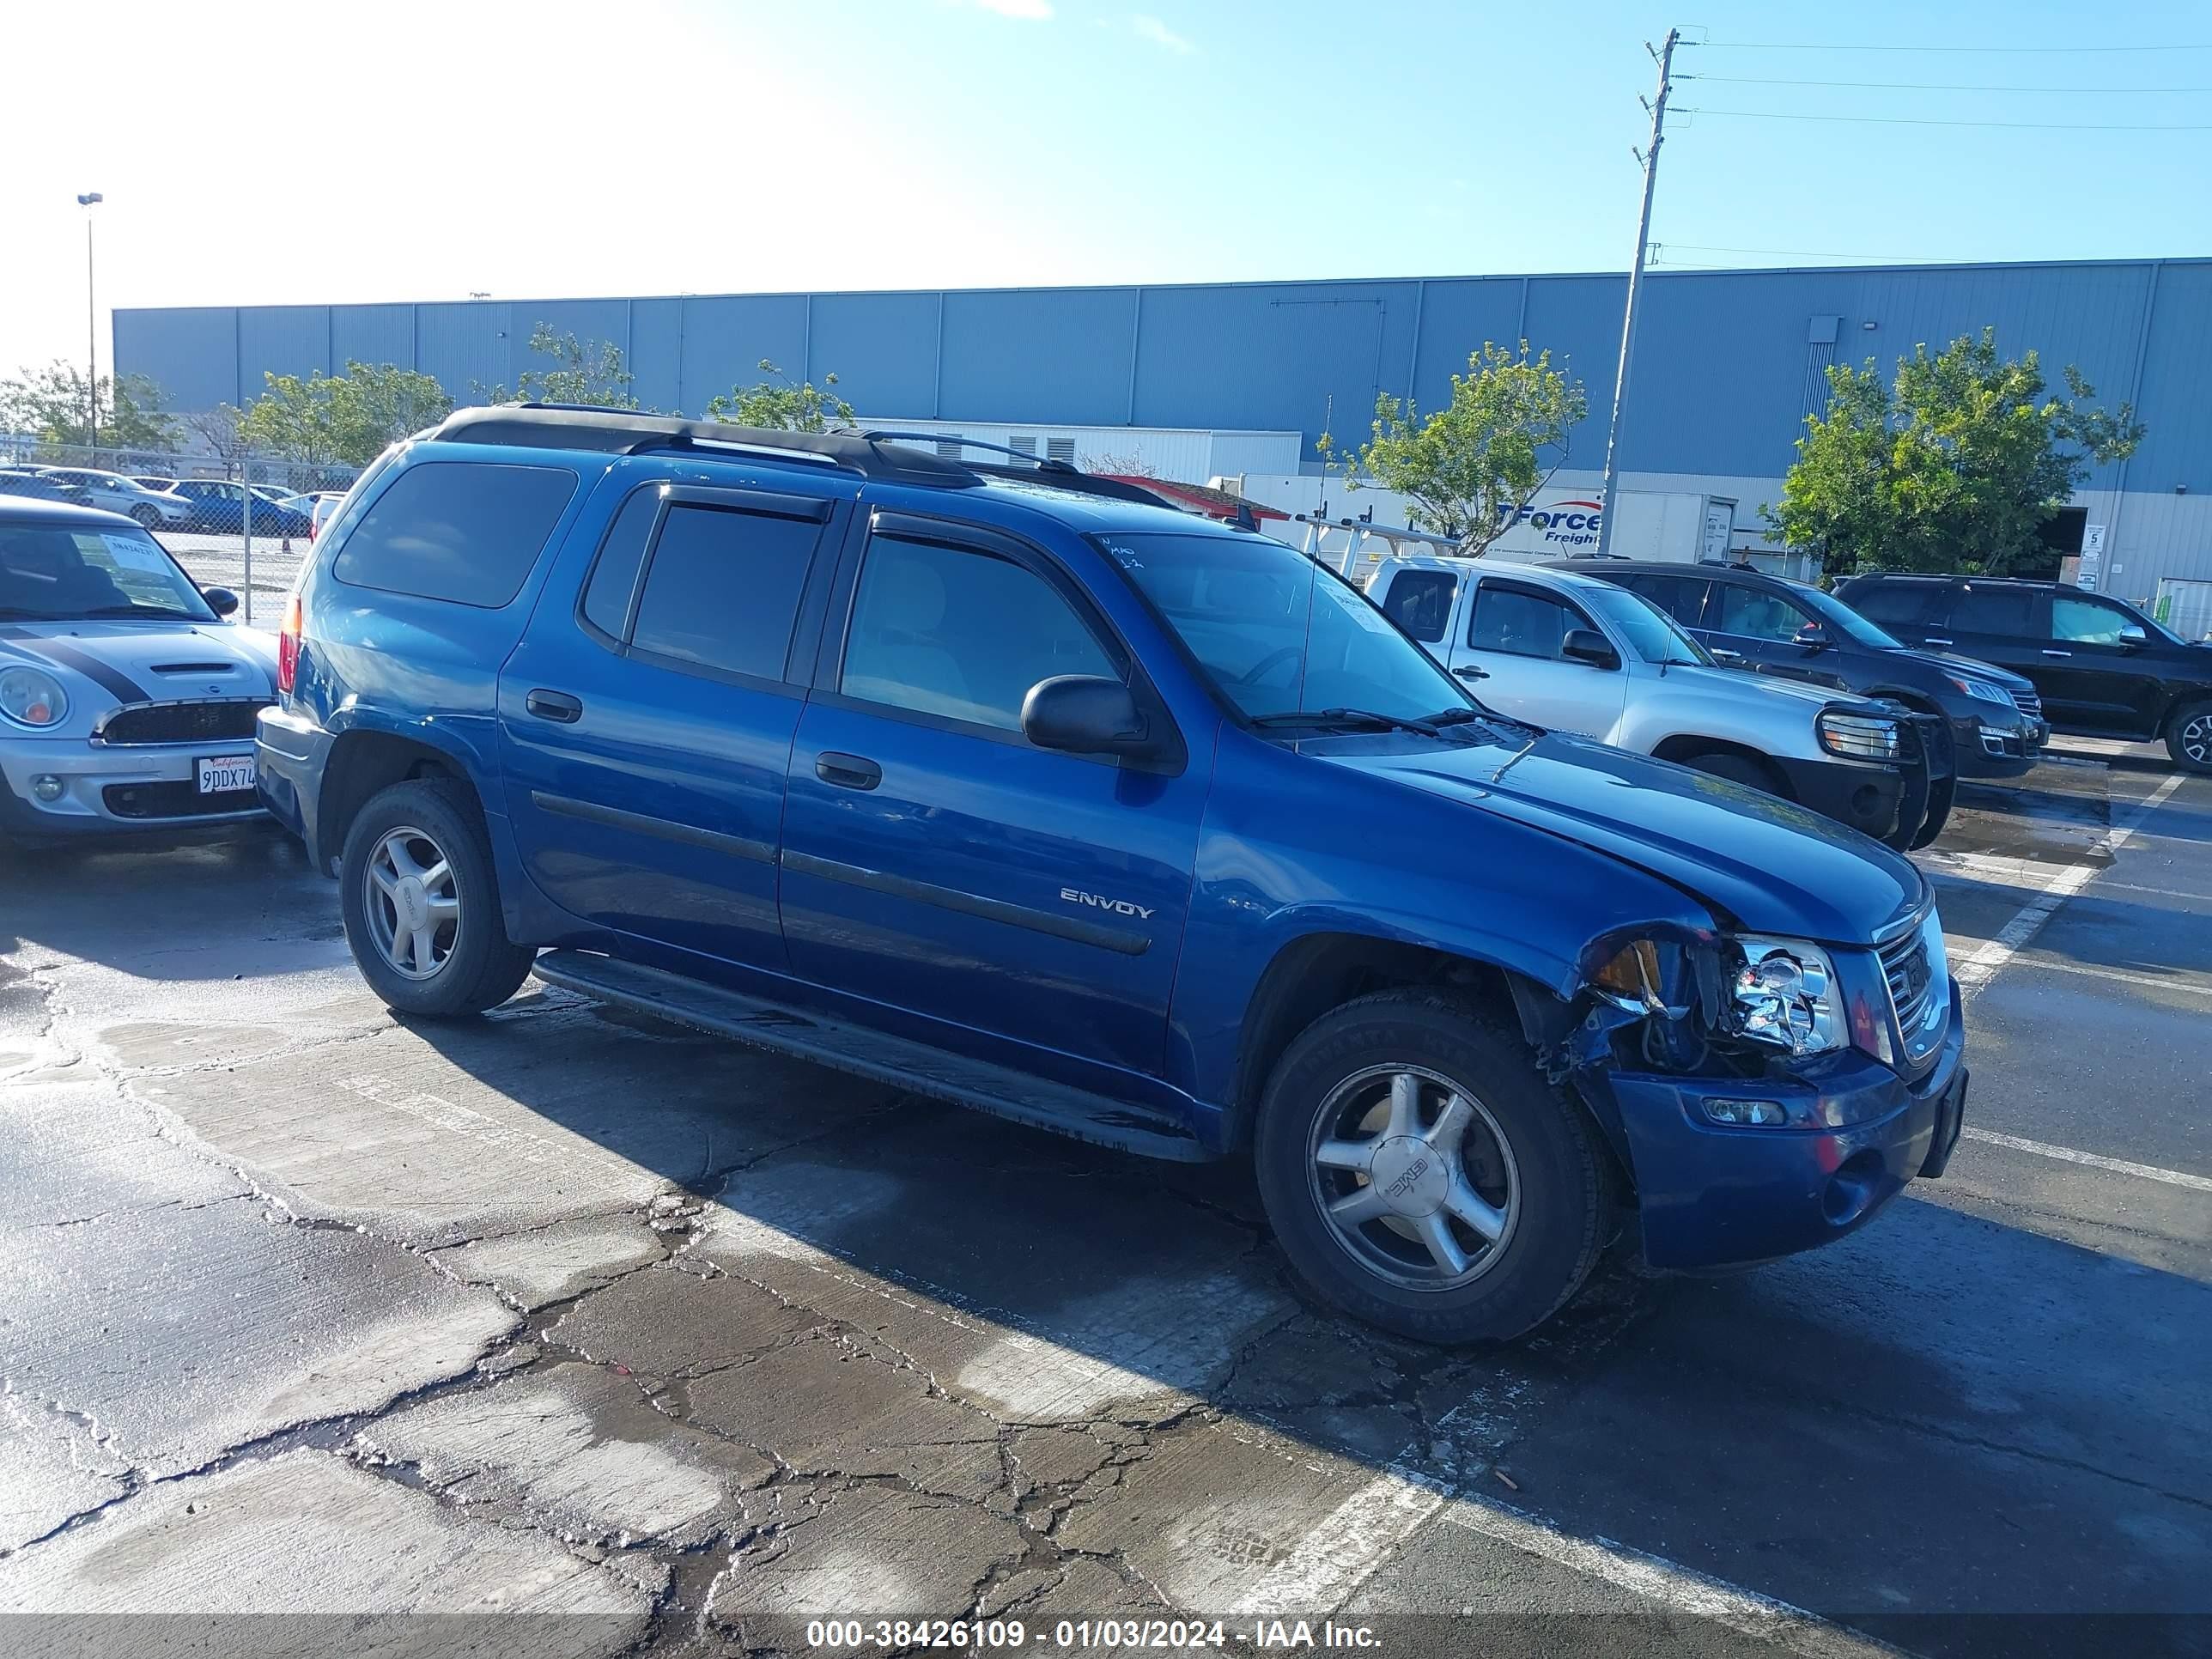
[1858,736]
[1784,992]
[32,697]
[1985,690]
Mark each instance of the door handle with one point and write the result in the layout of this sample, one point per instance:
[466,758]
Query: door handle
[554,706]
[847,771]
[1932,640]
[2048,652]
[1469,672]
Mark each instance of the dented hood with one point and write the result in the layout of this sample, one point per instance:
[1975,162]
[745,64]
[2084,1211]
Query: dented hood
[1763,864]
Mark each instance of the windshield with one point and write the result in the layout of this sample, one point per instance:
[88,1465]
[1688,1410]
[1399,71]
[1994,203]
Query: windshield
[1845,621]
[1652,634]
[1276,633]
[50,573]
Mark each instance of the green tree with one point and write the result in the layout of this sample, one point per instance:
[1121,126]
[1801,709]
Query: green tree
[777,403]
[52,404]
[293,417]
[323,419]
[1467,468]
[375,405]
[1955,466]
[582,373]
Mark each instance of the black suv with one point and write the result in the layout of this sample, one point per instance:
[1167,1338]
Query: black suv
[1754,620]
[2104,668]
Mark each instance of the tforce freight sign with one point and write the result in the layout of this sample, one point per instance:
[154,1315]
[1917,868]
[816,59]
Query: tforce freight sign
[1567,525]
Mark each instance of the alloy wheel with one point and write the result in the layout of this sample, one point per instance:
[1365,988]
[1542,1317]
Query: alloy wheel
[1414,1177]
[2197,740]
[411,902]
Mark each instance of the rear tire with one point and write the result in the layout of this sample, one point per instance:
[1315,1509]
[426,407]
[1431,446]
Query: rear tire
[1360,1168]
[2189,736]
[420,902]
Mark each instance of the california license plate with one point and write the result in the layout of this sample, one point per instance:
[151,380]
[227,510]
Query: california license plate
[224,775]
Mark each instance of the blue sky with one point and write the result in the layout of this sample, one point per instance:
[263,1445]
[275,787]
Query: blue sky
[408,150]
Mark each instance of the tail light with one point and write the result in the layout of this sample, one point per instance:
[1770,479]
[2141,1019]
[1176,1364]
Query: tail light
[288,647]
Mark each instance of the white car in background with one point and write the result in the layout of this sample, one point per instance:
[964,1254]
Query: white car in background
[324,507]
[111,492]
[1569,652]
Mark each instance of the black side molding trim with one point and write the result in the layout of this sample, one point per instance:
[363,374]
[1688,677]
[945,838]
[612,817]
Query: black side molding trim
[1119,940]
[737,847]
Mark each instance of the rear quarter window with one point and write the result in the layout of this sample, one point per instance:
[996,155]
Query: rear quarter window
[465,533]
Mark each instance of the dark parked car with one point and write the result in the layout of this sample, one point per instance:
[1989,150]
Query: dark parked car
[2103,668]
[996,785]
[38,487]
[217,509]
[1795,630]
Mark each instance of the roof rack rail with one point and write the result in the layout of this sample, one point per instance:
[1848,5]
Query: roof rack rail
[628,432]
[1042,463]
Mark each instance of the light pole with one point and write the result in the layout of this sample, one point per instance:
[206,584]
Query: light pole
[91,329]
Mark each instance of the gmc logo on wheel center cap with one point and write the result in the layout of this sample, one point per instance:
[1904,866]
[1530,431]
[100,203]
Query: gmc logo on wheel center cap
[1407,1179]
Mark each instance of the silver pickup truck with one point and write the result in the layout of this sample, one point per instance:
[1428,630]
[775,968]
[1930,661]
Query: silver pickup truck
[1563,650]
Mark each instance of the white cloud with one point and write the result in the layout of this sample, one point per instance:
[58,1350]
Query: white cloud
[1028,11]
[1149,27]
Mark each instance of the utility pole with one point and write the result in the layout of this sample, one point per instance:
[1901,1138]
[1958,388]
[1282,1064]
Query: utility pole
[91,333]
[1649,157]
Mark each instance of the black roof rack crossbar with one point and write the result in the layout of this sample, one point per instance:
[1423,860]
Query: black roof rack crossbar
[1042,463]
[628,432]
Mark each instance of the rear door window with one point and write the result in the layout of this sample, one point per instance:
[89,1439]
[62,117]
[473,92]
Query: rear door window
[1755,614]
[1981,609]
[462,531]
[1420,602]
[1682,598]
[722,589]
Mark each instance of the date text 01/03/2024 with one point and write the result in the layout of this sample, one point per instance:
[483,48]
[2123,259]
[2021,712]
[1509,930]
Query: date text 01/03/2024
[1079,1635]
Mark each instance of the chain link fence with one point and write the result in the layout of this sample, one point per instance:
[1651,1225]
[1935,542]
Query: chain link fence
[241,522]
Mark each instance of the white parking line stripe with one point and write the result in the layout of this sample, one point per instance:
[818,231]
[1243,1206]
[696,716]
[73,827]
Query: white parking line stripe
[1340,1553]
[1982,966]
[2195,1184]
[1683,1589]
[2119,974]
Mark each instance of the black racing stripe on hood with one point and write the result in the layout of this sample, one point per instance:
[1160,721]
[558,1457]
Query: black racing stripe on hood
[119,686]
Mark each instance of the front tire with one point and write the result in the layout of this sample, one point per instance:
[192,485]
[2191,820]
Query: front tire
[420,902]
[1422,1176]
[149,517]
[1739,768]
[2189,736]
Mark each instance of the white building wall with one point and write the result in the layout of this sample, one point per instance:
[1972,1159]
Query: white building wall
[1183,455]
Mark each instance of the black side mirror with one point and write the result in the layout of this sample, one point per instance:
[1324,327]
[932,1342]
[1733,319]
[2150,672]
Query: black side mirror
[1587,645]
[221,600]
[1812,636]
[2132,636]
[1085,714]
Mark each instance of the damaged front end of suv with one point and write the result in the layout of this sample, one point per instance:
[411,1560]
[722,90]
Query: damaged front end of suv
[1766,1094]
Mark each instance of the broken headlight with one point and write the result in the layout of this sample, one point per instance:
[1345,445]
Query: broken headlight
[1783,992]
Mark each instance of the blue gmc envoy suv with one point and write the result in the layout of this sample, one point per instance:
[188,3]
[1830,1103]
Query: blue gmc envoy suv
[1015,787]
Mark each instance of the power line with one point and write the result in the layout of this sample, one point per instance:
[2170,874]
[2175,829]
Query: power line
[1941,85]
[1807,45]
[1933,121]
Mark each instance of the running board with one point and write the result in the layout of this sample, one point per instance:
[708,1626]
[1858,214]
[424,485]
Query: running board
[998,1090]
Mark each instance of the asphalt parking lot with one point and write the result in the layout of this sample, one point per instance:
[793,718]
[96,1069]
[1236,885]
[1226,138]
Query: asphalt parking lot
[671,1345]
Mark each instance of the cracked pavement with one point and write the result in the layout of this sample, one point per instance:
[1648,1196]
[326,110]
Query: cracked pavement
[645,1342]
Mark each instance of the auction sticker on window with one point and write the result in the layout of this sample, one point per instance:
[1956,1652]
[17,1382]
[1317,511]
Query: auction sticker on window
[136,553]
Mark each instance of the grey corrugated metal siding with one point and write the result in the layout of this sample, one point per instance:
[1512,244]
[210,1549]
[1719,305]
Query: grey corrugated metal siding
[1719,384]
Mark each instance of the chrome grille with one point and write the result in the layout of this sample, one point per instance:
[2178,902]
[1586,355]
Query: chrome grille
[225,720]
[1918,972]
[2027,703]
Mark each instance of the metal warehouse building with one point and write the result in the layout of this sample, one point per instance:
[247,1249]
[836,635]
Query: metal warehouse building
[1243,378]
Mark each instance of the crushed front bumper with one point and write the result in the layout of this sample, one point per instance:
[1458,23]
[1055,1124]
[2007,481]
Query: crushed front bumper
[1712,1195]
[129,789]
